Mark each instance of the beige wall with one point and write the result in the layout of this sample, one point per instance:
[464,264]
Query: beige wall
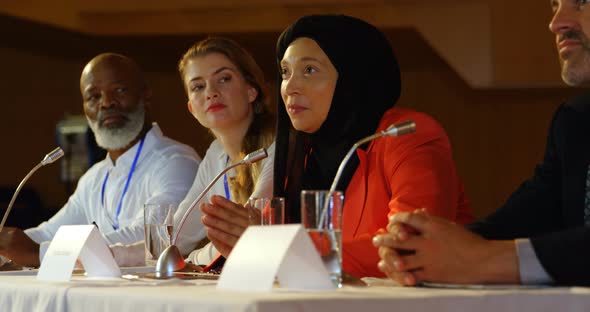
[498,135]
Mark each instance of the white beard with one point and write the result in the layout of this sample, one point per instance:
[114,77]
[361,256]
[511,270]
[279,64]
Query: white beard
[114,139]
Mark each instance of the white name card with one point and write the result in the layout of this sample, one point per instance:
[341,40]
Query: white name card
[265,252]
[77,241]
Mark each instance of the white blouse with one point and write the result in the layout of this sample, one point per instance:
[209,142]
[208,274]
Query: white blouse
[193,230]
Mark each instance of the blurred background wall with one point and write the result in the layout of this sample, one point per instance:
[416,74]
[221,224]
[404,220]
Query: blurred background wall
[487,70]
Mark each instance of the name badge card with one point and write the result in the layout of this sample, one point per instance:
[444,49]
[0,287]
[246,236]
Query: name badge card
[265,252]
[77,241]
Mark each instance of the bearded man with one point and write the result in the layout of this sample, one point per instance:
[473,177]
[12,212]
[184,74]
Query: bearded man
[142,165]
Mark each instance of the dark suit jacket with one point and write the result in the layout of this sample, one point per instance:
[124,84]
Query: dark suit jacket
[549,207]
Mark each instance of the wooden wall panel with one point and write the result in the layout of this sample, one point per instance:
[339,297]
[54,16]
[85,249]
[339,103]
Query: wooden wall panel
[498,135]
[523,47]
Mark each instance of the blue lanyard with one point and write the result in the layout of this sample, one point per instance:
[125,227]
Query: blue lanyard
[106,178]
[225,185]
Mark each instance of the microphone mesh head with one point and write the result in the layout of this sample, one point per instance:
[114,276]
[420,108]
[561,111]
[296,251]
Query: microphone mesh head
[406,127]
[401,128]
[54,155]
[255,156]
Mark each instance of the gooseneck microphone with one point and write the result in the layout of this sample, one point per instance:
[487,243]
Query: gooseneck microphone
[249,159]
[171,259]
[398,129]
[49,158]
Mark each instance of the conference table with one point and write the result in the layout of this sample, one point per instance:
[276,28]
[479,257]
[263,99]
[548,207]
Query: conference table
[21,291]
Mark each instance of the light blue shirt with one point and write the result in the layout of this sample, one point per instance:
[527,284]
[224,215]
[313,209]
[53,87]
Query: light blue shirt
[529,267]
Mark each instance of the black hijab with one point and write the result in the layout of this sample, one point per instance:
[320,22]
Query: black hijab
[368,84]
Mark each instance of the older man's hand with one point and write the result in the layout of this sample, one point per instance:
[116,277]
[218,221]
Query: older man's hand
[18,247]
[437,250]
[391,258]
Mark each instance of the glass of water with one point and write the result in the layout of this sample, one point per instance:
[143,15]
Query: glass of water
[321,216]
[158,229]
[266,210]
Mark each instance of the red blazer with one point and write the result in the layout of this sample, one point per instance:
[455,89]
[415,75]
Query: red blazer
[399,174]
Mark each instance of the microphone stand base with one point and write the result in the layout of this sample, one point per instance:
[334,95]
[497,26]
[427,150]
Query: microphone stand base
[170,260]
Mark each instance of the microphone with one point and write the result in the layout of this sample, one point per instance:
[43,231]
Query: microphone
[51,157]
[249,159]
[398,129]
[171,259]
[54,155]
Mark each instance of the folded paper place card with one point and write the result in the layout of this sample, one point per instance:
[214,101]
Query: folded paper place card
[282,251]
[72,242]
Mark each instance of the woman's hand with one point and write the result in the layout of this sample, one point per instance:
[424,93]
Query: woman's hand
[225,221]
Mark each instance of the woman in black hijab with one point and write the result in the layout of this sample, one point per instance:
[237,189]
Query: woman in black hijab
[339,83]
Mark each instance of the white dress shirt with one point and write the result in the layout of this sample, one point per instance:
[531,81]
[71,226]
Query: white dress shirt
[193,231]
[163,173]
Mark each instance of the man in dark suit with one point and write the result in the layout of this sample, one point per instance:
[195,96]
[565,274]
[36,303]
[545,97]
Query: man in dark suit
[542,233]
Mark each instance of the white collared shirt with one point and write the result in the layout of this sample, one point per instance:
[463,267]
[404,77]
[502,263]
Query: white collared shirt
[163,173]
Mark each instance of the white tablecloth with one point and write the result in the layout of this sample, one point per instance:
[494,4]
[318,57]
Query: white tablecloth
[22,292]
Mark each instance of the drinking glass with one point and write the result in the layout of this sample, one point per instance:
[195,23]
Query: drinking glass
[321,216]
[267,211]
[158,229]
